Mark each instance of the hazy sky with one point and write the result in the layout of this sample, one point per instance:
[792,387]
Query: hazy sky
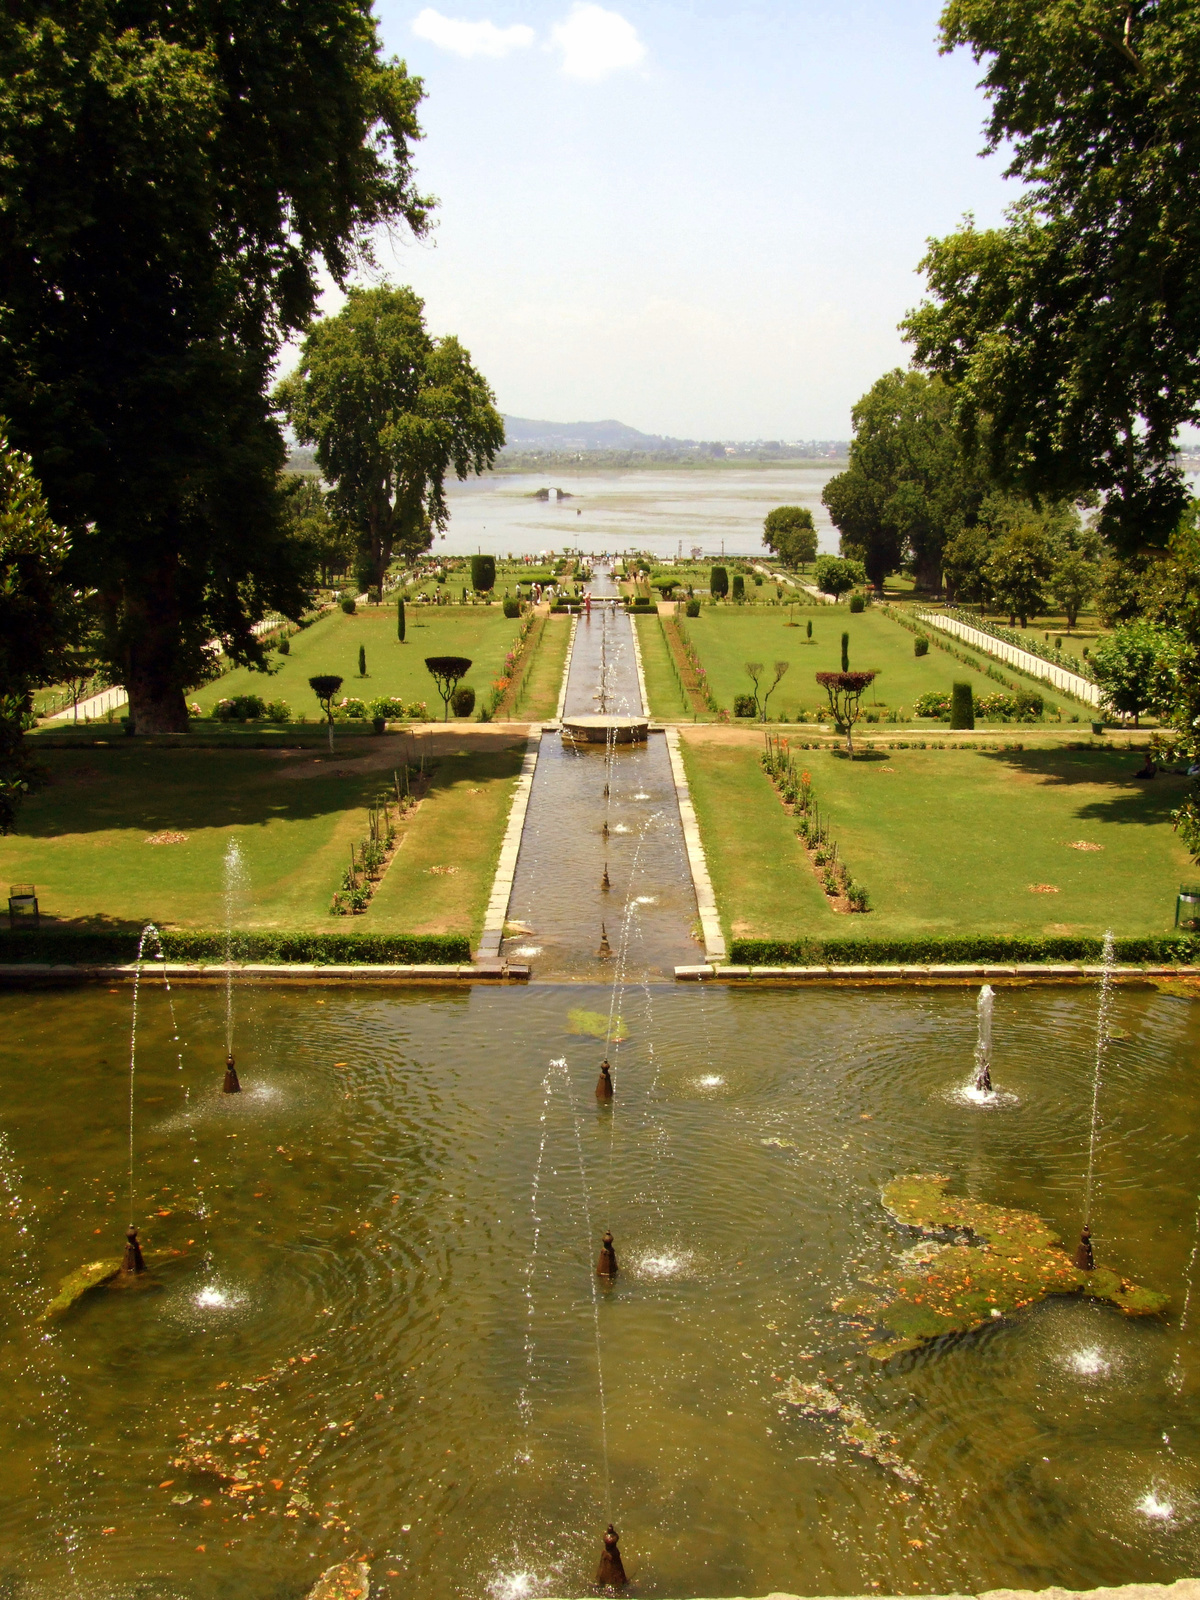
[700,218]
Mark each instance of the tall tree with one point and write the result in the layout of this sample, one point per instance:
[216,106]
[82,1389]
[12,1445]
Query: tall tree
[1072,335]
[175,174]
[792,534]
[391,411]
[40,616]
[907,489]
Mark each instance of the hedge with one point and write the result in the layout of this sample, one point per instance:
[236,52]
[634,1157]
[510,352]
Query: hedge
[66,946]
[964,948]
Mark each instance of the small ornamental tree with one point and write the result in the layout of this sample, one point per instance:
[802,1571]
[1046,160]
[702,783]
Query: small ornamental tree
[739,586]
[845,652]
[845,693]
[448,672]
[362,660]
[791,533]
[483,574]
[1134,668]
[837,575]
[325,686]
[718,583]
[400,619]
[962,706]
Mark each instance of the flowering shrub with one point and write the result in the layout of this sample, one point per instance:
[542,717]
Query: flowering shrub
[241,708]
[350,710]
[934,703]
[278,711]
[387,707]
[997,705]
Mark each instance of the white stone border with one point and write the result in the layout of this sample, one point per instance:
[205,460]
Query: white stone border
[706,901]
[562,692]
[637,656]
[506,867]
[1035,666]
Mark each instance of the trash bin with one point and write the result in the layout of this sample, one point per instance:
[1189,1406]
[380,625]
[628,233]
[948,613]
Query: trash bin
[1097,727]
[22,906]
[1187,907]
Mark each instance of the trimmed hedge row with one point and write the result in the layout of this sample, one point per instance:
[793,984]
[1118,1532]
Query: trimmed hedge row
[935,949]
[86,946]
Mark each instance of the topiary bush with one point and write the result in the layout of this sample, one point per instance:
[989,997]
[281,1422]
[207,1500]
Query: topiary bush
[692,608]
[483,573]
[718,583]
[962,706]
[920,645]
[1030,705]
[744,705]
[463,700]
[739,586]
[512,608]
[858,603]
[284,647]
[349,605]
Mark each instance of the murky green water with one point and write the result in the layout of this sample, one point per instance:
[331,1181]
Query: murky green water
[363,1327]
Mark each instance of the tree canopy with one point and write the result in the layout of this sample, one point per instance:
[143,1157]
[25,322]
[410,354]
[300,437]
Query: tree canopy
[908,489]
[391,411]
[1072,335]
[176,173]
[792,534]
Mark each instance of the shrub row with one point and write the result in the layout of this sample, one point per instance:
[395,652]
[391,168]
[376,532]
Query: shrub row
[85,946]
[953,948]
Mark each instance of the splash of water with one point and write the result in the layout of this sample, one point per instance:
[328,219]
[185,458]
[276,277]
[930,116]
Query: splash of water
[1089,1363]
[235,883]
[983,1042]
[1157,1510]
[1103,1011]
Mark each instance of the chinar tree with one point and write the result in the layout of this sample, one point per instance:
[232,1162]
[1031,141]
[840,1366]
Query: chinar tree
[1071,336]
[391,411]
[170,197]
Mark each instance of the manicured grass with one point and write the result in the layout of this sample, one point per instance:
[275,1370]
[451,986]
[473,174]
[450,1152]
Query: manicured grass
[663,691]
[725,638]
[82,840]
[459,825]
[482,633]
[945,841]
[536,698]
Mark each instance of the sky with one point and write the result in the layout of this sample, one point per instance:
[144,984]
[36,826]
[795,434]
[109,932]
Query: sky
[702,219]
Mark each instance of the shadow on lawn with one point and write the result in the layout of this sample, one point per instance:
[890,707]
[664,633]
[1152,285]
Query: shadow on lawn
[189,791]
[1129,799]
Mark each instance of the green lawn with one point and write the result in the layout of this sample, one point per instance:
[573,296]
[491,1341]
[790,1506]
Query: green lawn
[725,638]
[83,839]
[482,633]
[946,842]
[667,698]
[536,697]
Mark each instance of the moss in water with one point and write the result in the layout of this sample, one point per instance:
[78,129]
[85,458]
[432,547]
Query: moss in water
[984,1262]
[595,1025]
[100,1274]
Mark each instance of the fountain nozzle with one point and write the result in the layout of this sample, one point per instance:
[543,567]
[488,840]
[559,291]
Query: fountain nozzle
[604,828]
[611,1574]
[231,1086]
[132,1262]
[604,1085]
[604,883]
[605,950]
[606,1267]
[1085,1261]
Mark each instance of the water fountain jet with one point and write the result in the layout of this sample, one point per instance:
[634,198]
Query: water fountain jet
[983,1044]
[611,1573]
[604,1086]
[606,1267]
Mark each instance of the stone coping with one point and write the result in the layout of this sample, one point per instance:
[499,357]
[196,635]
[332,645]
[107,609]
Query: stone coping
[1181,1589]
[272,972]
[907,971]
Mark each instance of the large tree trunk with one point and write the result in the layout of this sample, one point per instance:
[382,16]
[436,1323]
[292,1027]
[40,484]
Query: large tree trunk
[927,574]
[151,625]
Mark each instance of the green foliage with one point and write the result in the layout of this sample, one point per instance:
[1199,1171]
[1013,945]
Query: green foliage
[845,652]
[858,603]
[692,609]
[277,711]
[792,534]
[920,645]
[1073,582]
[387,707]
[166,225]
[391,411]
[325,686]
[953,949]
[349,605]
[325,545]
[837,575]
[933,703]
[962,706]
[447,672]
[745,705]
[463,700]
[718,583]
[284,647]
[67,946]
[40,616]
[1018,566]
[483,573]
[241,708]
[512,608]
[362,660]
[739,586]
[1070,335]
[401,624]
[1135,668]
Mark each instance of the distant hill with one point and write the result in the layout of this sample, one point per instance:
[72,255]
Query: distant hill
[528,436]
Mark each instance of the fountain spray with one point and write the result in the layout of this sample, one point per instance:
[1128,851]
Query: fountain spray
[235,882]
[983,1043]
[1084,1258]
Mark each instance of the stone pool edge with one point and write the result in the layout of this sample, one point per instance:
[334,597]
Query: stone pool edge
[916,972]
[462,972]
[1181,1589]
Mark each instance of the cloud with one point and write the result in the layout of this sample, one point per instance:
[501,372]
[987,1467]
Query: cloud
[473,38]
[595,42]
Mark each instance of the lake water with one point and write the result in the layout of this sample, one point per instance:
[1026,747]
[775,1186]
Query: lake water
[384,1333]
[666,512]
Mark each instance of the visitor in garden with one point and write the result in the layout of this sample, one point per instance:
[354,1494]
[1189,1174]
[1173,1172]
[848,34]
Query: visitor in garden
[1147,769]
